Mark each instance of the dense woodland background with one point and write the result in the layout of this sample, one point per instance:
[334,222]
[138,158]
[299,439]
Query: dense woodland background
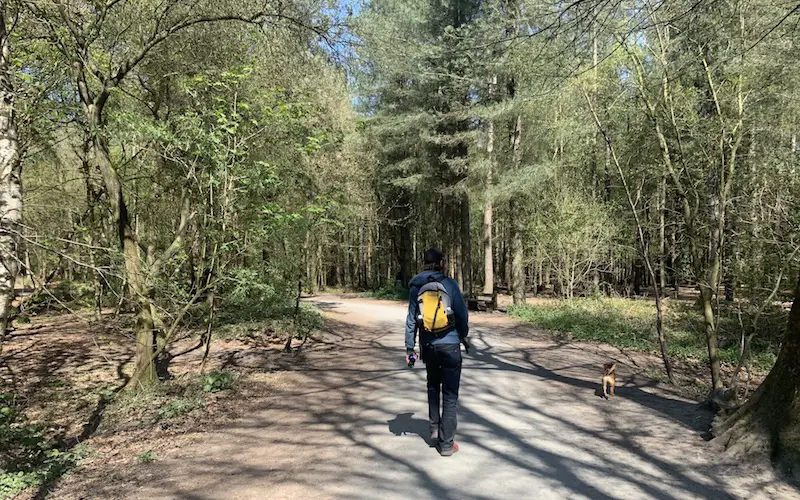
[192,162]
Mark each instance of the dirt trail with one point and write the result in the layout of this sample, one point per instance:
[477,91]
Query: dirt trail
[531,425]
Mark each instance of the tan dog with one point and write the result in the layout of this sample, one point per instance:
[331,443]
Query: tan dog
[609,379]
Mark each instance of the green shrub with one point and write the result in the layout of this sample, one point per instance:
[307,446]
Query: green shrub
[75,292]
[218,381]
[252,294]
[179,407]
[387,292]
[146,457]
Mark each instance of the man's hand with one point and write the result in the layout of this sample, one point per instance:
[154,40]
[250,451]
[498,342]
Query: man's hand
[408,356]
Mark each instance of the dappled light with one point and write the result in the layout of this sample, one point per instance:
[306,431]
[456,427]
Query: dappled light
[530,420]
[243,242]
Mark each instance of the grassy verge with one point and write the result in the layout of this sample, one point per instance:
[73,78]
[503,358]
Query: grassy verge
[631,324]
[387,293]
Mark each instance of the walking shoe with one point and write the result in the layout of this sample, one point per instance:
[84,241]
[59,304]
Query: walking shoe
[449,451]
[435,436]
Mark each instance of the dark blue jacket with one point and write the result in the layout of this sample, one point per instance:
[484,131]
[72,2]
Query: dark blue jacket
[459,309]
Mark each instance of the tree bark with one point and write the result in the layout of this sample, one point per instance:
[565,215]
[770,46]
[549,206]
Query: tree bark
[488,254]
[466,246]
[662,234]
[371,281]
[517,251]
[517,254]
[507,253]
[676,283]
[709,323]
[145,370]
[770,421]
[10,181]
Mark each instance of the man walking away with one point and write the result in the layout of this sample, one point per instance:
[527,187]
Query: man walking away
[436,309]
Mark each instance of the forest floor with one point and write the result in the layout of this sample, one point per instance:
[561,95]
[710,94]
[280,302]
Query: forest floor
[345,418]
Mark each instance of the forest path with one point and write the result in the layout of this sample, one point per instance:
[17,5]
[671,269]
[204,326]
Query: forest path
[352,424]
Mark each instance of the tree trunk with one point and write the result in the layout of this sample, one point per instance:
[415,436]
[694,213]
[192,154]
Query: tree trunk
[371,281]
[676,280]
[453,270]
[363,258]
[770,421]
[517,256]
[10,182]
[92,199]
[515,219]
[488,254]
[507,253]
[709,323]
[348,275]
[466,246]
[662,234]
[145,370]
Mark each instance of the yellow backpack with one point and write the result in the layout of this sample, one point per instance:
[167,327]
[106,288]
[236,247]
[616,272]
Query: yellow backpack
[434,311]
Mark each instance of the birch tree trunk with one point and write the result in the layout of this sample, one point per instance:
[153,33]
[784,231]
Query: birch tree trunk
[10,181]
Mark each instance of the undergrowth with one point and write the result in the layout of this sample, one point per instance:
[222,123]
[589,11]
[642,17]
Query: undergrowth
[387,292]
[272,330]
[167,403]
[29,458]
[630,324]
[146,457]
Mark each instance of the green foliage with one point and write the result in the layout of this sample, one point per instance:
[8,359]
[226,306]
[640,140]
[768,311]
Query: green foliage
[179,407]
[146,457]
[619,322]
[308,318]
[246,169]
[275,329]
[573,234]
[28,458]
[74,292]
[631,324]
[250,294]
[387,292]
[218,381]
[249,136]
[169,403]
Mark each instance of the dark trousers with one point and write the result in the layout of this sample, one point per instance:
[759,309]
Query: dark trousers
[443,365]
